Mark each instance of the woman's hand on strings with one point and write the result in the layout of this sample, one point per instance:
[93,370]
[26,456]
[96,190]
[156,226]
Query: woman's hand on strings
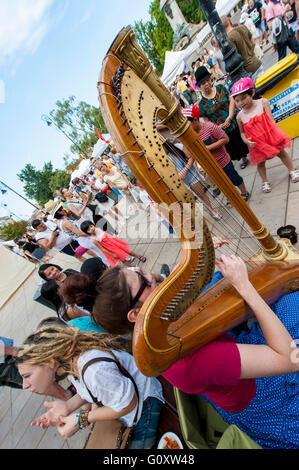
[218,242]
[234,270]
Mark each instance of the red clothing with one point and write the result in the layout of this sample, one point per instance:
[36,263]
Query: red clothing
[214,370]
[269,137]
[211,133]
[115,245]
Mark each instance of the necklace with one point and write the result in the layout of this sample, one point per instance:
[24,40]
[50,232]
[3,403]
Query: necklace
[213,98]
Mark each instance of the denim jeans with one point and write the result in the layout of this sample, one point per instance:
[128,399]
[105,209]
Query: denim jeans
[145,432]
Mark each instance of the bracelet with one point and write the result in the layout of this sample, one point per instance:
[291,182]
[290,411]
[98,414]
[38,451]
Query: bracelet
[82,422]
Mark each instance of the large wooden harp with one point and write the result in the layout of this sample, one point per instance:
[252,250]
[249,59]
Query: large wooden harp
[176,319]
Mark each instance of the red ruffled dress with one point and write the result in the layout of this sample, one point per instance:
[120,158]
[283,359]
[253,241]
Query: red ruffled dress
[269,137]
[114,245]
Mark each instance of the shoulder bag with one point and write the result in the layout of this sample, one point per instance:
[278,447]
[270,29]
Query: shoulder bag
[110,434]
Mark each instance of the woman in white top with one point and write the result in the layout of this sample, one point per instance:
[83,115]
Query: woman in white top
[118,180]
[58,350]
[81,209]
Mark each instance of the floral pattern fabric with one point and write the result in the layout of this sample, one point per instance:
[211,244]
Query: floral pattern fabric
[217,109]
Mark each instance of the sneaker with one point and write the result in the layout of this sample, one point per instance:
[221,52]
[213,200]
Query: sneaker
[294,175]
[165,271]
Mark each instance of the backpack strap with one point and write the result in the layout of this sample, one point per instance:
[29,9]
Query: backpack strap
[122,370]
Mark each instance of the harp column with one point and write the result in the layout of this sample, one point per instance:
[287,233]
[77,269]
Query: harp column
[126,49]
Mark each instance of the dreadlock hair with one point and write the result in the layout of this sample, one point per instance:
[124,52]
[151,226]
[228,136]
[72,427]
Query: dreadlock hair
[63,344]
[112,302]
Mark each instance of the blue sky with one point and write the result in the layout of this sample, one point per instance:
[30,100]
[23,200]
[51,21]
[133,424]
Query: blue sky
[49,50]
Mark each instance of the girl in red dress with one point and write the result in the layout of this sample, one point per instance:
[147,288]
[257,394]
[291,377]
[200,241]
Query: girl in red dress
[265,139]
[116,250]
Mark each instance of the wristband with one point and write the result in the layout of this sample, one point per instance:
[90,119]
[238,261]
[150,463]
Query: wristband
[82,421]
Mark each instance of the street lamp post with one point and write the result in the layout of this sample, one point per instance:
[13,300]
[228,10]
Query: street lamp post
[233,61]
[3,191]
[49,123]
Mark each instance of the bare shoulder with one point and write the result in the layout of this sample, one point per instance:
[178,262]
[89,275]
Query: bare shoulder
[265,103]
[238,117]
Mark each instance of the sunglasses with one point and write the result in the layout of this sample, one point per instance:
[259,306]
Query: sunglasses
[144,283]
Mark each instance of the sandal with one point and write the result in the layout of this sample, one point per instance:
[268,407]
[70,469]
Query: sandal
[142,259]
[216,215]
[266,188]
[294,175]
[228,204]
[243,164]
[245,196]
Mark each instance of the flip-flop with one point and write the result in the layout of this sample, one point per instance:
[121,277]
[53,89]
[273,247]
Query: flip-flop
[142,259]
[243,165]
[228,204]
[245,196]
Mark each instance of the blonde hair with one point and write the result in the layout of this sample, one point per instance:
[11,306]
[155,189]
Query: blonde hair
[64,343]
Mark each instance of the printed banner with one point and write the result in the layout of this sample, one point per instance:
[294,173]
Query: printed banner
[286,103]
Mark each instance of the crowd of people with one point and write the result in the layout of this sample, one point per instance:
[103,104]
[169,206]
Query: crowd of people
[250,375]
[273,22]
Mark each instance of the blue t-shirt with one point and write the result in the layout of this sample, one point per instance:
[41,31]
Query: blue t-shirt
[85,324]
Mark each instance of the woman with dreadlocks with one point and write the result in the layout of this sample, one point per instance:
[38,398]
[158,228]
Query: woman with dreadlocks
[57,349]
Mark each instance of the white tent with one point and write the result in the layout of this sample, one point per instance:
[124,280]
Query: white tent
[100,146]
[175,62]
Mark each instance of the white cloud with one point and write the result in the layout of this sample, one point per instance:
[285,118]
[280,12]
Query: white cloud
[23,24]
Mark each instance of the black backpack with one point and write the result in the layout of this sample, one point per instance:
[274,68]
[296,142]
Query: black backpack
[101,197]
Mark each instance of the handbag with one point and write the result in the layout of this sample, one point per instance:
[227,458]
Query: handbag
[101,197]
[281,31]
[110,434]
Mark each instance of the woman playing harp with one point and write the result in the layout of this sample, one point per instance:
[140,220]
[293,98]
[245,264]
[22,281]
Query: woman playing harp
[250,377]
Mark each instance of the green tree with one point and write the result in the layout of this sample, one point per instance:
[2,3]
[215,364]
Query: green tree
[13,229]
[78,120]
[60,179]
[191,11]
[40,184]
[36,182]
[155,37]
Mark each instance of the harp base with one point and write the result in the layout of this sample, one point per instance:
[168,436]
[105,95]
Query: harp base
[285,252]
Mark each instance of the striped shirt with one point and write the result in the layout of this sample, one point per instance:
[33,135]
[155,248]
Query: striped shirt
[211,133]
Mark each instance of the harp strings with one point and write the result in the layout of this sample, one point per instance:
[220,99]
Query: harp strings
[229,225]
[221,228]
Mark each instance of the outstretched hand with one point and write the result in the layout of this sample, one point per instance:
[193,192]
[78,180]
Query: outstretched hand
[53,416]
[234,270]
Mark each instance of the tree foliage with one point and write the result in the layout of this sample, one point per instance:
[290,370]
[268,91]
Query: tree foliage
[36,182]
[191,11]
[60,179]
[155,36]
[13,229]
[40,184]
[78,120]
